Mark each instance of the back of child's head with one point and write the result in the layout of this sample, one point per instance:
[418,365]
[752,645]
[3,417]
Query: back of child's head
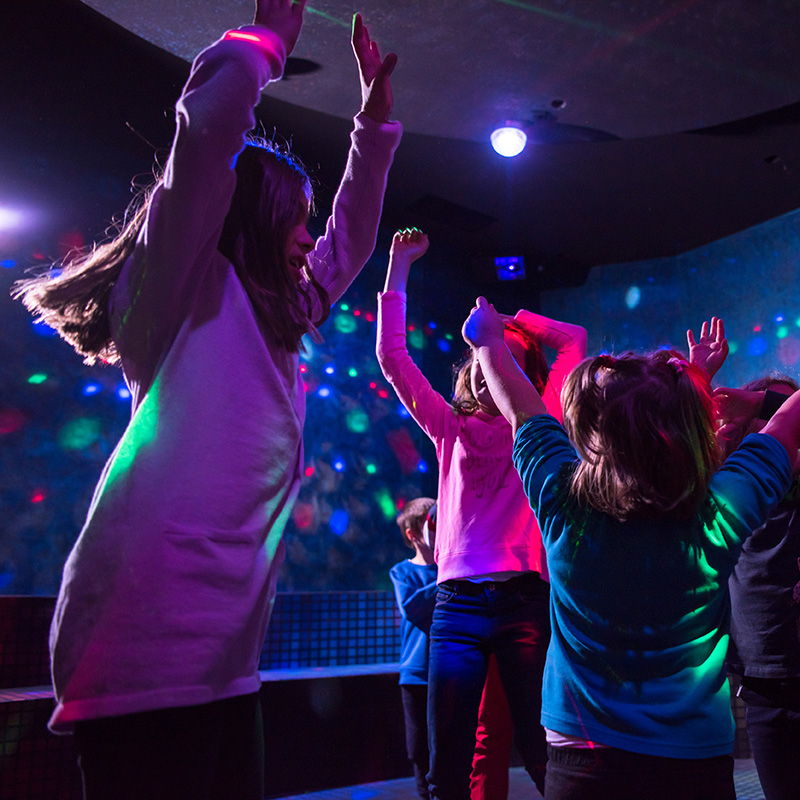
[272,191]
[644,428]
[535,367]
[413,517]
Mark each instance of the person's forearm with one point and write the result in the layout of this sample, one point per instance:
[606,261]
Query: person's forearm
[397,274]
[514,394]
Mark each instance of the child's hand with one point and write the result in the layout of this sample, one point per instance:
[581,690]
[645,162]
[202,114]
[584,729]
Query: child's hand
[376,89]
[737,406]
[484,325]
[409,244]
[284,17]
[711,350]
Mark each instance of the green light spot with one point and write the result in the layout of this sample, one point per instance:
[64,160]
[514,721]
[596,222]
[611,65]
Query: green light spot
[449,337]
[782,332]
[352,372]
[344,324]
[344,307]
[733,347]
[416,339]
[357,420]
[386,504]
[37,377]
[79,433]
[371,469]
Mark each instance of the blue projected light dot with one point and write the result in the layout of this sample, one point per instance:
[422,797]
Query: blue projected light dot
[40,329]
[633,296]
[324,391]
[91,388]
[8,263]
[443,345]
[338,465]
[403,411]
[123,392]
[758,346]
[422,466]
[779,318]
[330,369]
[339,521]
[432,326]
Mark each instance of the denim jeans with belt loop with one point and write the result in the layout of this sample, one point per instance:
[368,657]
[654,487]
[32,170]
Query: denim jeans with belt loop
[471,621]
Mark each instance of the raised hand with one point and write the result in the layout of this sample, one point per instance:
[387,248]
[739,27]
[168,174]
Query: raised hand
[376,89]
[484,326]
[283,17]
[409,244]
[711,350]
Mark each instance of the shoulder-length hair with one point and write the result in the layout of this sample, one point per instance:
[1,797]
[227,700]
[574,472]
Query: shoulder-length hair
[644,428]
[535,367]
[271,183]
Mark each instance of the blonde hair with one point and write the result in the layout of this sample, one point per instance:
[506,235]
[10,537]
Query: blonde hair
[644,428]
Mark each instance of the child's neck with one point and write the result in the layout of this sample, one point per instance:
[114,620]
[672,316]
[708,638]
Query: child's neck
[422,558]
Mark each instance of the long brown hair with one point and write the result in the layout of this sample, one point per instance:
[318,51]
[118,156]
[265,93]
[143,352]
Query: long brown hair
[73,296]
[644,428]
[535,367]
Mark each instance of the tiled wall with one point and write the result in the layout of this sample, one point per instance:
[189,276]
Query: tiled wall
[325,629]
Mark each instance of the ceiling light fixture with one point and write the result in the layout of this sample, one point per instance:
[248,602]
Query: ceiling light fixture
[509,139]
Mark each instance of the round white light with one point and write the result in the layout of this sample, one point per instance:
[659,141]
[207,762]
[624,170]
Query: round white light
[508,141]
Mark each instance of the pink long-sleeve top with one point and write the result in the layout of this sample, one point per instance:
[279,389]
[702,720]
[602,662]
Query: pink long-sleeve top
[485,524]
[166,595]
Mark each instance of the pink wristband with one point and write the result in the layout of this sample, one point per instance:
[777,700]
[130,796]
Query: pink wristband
[268,42]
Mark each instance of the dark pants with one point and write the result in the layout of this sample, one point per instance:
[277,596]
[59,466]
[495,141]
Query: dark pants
[208,752]
[610,774]
[470,622]
[772,718]
[415,712]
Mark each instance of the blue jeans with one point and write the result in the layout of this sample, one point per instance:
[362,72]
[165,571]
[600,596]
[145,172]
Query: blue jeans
[772,718]
[470,622]
[605,773]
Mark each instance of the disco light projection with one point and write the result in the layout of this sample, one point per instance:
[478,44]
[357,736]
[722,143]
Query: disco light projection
[632,297]
[11,420]
[37,378]
[78,434]
[90,389]
[357,420]
[339,521]
[758,346]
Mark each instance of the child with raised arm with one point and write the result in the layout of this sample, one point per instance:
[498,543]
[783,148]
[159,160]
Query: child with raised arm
[493,591]
[765,604]
[641,533]
[202,299]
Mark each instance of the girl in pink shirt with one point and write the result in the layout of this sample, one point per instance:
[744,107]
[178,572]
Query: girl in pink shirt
[493,593]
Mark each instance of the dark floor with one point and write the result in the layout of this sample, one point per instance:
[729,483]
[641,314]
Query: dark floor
[521,788]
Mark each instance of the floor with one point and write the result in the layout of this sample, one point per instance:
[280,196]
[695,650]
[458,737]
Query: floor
[520,787]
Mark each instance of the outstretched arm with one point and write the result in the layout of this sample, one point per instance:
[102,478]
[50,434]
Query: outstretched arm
[408,245]
[509,386]
[711,350]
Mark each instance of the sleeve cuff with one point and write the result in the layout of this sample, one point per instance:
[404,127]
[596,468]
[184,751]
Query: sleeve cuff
[265,40]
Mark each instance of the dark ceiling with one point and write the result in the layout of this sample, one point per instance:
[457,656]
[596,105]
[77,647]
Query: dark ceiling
[676,122]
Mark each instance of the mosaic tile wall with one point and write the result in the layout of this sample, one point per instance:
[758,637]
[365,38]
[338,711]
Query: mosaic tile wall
[324,629]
